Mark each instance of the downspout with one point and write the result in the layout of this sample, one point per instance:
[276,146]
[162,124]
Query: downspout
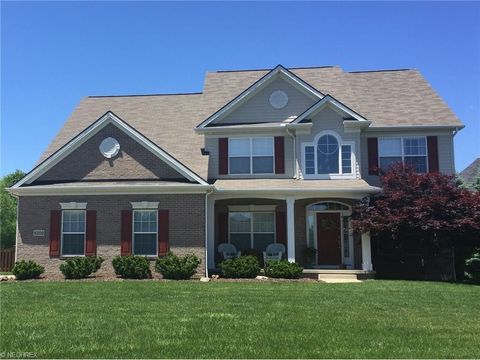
[295,167]
[16,229]
[455,132]
[206,230]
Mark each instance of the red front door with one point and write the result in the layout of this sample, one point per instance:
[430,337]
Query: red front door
[328,239]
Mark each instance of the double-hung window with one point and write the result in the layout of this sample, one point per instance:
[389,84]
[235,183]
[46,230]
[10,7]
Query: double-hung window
[73,232]
[252,230]
[251,155]
[145,229]
[412,151]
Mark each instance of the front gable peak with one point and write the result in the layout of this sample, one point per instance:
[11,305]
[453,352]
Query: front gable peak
[277,98]
[108,149]
[338,106]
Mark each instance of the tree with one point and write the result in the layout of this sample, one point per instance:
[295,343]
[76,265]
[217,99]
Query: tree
[8,212]
[429,209]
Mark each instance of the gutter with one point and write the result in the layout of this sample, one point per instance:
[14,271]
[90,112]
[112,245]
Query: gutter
[455,128]
[107,190]
[293,192]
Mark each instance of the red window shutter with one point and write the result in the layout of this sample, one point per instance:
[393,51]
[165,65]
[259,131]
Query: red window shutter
[163,232]
[126,245]
[280,228]
[55,229]
[372,156]
[91,234]
[279,155]
[223,227]
[223,156]
[432,145]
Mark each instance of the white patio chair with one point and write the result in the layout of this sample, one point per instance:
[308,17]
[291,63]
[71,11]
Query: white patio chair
[228,251]
[273,252]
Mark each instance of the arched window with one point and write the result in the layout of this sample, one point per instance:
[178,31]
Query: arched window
[328,206]
[327,155]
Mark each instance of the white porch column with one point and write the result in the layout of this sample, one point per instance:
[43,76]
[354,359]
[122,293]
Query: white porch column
[210,233]
[366,252]
[291,229]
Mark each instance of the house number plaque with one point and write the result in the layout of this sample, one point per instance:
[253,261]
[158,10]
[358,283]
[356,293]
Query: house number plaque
[38,233]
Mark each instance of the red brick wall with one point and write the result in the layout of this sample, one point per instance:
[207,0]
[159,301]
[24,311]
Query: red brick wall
[187,225]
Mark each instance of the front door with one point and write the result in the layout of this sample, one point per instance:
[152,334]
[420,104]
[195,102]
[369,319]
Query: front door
[328,239]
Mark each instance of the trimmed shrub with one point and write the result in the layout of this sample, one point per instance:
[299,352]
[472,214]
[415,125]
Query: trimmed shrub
[241,267]
[175,267]
[254,252]
[132,267]
[472,268]
[80,267]
[24,270]
[283,269]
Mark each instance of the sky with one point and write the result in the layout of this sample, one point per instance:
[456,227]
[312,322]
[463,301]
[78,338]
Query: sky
[55,53]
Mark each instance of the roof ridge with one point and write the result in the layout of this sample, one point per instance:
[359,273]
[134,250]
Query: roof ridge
[269,69]
[137,95]
[381,70]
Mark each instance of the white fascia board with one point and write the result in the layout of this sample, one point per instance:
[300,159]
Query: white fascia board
[99,189]
[108,118]
[323,102]
[416,127]
[242,129]
[326,192]
[248,93]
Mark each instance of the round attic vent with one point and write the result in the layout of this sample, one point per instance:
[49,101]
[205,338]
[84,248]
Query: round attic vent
[109,147]
[278,99]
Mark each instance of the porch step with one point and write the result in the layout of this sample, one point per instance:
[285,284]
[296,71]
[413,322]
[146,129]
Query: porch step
[338,278]
[338,275]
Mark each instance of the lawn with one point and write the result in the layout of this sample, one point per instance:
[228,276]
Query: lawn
[154,319]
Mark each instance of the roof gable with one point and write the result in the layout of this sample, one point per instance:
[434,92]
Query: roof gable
[132,162]
[86,134]
[335,104]
[256,87]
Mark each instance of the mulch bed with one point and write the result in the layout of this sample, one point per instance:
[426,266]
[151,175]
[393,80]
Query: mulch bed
[158,277]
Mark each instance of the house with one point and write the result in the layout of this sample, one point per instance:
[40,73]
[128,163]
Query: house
[258,157]
[471,174]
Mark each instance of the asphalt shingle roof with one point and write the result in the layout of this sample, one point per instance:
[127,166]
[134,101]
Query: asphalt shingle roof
[387,98]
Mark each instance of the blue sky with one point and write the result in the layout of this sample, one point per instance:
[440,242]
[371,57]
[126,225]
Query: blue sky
[55,53]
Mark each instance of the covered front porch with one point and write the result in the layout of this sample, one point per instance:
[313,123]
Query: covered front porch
[314,227]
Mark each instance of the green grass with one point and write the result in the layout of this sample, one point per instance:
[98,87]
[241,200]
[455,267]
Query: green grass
[154,319]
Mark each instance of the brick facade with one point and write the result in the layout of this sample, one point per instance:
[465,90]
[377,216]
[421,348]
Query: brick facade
[132,162]
[186,226]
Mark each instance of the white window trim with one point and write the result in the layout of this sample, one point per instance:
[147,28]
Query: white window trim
[251,154]
[403,156]
[145,205]
[348,261]
[251,226]
[143,232]
[340,175]
[84,232]
[73,206]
